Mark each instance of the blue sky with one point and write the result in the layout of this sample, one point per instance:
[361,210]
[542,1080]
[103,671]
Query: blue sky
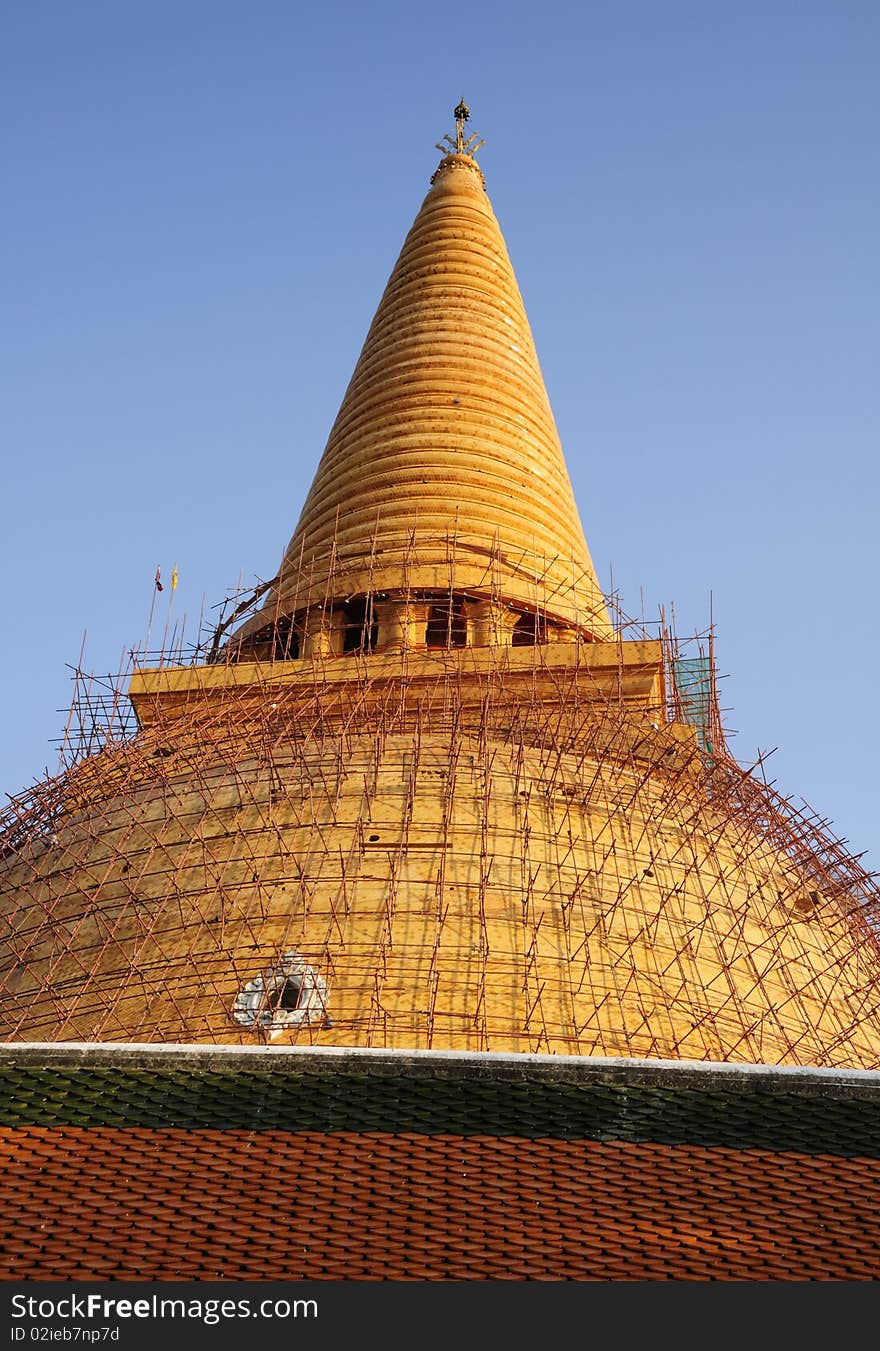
[202,205]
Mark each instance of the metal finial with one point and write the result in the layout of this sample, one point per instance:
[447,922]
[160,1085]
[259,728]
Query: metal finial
[460,145]
[461,115]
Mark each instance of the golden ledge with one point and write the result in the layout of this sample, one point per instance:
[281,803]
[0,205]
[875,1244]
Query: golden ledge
[635,667]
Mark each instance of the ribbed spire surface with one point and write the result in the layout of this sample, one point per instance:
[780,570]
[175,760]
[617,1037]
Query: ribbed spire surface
[444,468]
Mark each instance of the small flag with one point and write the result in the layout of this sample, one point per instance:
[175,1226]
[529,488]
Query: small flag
[174,578]
[159,586]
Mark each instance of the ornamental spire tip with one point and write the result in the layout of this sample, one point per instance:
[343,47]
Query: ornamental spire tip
[460,145]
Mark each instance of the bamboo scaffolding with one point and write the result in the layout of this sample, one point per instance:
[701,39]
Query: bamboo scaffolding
[512,849]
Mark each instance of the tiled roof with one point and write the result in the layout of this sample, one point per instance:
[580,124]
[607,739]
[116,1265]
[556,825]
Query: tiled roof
[141,1204]
[434,1168]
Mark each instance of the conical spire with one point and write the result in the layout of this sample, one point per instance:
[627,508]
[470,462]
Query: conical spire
[443,470]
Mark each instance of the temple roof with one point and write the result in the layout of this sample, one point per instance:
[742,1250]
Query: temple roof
[169,1164]
[444,469]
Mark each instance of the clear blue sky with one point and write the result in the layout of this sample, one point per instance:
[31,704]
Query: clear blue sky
[202,202]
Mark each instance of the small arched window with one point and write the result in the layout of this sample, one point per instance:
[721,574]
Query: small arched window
[447,626]
[530,630]
[288,995]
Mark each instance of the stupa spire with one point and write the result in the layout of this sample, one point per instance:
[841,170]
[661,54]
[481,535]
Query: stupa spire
[443,473]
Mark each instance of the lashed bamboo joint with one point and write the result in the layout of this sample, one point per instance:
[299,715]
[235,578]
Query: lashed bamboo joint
[428,796]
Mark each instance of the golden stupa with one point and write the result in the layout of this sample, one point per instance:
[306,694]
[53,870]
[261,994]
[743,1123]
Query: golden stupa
[426,795]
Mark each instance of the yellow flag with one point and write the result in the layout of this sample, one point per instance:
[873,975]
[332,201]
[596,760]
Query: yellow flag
[174,578]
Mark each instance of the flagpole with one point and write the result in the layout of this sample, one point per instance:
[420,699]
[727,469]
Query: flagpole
[168,615]
[157,586]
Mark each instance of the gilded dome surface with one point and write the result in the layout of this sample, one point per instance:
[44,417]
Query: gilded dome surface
[496,861]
